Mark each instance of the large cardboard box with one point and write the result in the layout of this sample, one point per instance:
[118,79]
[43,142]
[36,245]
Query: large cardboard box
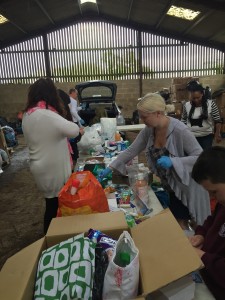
[220,100]
[165,253]
[183,80]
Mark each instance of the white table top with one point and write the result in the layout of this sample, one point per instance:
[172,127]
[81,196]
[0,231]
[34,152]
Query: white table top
[153,203]
[134,127]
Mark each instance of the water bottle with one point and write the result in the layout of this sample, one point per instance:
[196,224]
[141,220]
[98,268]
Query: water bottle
[74,187]
[124,259]
[120,120]
[142,188]
[130,220]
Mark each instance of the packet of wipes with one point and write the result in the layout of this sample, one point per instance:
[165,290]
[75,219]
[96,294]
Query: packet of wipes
[107,243]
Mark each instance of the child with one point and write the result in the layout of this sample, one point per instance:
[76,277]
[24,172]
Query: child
[209,239]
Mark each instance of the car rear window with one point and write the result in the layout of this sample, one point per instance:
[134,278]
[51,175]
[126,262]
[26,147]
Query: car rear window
[96,92]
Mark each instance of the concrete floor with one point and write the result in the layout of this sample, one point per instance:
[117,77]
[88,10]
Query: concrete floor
[22,205]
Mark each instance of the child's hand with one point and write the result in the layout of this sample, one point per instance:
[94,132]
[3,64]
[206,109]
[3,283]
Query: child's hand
[199,252]
[196,240]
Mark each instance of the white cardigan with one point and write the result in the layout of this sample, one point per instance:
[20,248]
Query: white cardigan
[46,135]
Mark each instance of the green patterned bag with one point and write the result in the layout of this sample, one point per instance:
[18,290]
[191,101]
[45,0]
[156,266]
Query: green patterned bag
[66,270]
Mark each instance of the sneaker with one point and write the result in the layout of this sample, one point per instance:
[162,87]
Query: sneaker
[1,171]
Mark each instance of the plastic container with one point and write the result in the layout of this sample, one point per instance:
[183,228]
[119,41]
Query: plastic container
[130,221]
[141,186]
[117,136]
[79,165]
[119,146]
[74,187]
[120,120]
[123,146]
[123,255]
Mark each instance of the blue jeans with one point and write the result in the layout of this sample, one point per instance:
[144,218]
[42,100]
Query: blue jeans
[205,141]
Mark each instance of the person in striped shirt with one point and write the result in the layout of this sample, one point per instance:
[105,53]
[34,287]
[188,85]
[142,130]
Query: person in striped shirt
[201,115]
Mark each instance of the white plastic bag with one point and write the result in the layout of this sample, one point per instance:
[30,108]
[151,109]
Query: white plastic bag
[108,128]
[90,139]
[121,282]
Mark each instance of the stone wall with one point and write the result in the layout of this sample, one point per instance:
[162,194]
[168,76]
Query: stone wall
[13,96]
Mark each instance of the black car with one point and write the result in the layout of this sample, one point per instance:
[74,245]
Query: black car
[97,99]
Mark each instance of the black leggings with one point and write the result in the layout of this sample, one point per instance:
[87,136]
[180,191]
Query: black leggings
[50,211]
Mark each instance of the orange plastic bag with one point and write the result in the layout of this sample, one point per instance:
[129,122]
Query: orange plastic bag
[89,198]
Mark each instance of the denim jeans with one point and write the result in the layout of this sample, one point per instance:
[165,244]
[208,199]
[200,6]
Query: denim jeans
[205,141]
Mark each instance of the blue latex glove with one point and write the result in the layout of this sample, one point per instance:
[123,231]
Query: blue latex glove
[164,162]
[82,122]
[103,174]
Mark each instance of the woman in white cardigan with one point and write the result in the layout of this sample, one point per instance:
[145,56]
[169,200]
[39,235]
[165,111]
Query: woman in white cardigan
[46,131]
[171,151]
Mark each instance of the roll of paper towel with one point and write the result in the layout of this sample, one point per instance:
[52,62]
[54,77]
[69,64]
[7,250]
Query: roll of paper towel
[108,128]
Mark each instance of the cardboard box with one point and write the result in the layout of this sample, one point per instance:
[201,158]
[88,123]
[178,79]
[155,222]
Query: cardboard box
[183,288]
[220,100]
[180,96]
[222,114]
[183,80]
[223,128]
[178,88]
[165,253]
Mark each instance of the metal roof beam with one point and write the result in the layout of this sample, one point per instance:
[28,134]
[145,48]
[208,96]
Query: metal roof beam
[206,15]
[213,36]
[161,18]
[211,4]
[130,8]
[11,21]
[44,11]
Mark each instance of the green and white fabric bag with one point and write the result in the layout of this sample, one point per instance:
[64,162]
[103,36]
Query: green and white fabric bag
[66,270]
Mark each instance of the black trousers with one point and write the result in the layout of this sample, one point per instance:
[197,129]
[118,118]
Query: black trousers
[50,211]
[178,209]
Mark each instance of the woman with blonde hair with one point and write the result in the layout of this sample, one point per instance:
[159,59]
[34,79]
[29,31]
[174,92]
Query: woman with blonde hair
[171,151]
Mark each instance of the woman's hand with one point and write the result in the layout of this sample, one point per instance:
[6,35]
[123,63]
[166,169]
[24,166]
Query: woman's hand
[196,240]
[81,130]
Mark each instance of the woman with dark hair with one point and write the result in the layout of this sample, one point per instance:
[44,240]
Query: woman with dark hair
[66,101]
[200,114]
[46,131]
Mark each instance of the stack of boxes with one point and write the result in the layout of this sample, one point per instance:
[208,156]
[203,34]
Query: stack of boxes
[179,93]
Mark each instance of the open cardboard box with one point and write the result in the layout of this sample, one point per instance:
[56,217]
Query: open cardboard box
[165,253]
